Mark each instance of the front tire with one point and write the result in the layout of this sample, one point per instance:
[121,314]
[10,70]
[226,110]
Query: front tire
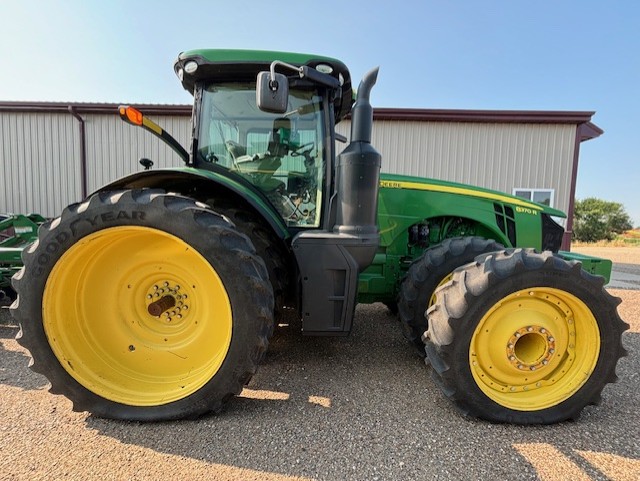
[432,269]
[142,305]
[524,337]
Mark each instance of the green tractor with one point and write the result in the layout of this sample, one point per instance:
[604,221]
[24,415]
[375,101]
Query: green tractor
[155,297]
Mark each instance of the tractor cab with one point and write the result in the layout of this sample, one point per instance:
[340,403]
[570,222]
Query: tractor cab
[286,155]
[283,156]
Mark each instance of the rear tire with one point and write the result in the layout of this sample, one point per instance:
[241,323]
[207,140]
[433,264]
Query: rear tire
[84,306]
[524,337]
[428,272]
[268,247]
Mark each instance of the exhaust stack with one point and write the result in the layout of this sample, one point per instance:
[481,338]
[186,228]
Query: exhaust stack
[358,170]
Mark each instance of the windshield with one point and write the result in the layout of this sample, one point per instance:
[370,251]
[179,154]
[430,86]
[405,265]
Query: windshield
[281,154]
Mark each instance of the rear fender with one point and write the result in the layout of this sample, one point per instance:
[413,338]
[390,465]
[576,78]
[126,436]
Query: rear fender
[202,185]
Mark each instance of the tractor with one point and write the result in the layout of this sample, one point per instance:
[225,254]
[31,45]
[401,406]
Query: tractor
[155,297]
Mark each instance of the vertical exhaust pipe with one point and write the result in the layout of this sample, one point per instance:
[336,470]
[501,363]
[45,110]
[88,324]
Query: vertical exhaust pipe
[330,261]
[358,170]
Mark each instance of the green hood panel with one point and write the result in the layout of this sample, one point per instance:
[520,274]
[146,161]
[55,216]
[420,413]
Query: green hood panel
[393,181]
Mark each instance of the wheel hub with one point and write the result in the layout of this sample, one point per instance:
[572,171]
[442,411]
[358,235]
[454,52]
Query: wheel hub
[531,348]
[168,301]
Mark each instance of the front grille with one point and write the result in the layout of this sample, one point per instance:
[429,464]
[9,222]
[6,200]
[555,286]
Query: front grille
[552,234]
[505,220]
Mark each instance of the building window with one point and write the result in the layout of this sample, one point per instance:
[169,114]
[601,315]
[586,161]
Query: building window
[540,196]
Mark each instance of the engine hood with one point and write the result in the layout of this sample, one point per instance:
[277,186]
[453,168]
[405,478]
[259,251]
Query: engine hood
[393,181]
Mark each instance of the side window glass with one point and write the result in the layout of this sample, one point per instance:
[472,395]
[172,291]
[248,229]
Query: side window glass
[282,155]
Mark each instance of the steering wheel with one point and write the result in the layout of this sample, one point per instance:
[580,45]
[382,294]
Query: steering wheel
[300,149]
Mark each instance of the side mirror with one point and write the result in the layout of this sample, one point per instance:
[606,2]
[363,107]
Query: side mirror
[272,95]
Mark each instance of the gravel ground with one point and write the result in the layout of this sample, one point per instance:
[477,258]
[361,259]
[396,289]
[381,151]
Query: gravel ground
[356,408]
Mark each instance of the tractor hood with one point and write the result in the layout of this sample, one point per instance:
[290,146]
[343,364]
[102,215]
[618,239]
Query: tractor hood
[392,181]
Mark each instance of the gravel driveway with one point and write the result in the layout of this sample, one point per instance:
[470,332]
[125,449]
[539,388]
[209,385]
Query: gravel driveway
[356,408]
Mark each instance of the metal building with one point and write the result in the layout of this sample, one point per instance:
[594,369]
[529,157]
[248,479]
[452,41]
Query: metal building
[53,154]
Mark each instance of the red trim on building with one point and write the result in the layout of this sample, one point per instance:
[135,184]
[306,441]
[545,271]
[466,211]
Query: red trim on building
[91,108]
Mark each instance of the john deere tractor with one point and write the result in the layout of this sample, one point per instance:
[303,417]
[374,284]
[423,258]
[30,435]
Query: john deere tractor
[155,297]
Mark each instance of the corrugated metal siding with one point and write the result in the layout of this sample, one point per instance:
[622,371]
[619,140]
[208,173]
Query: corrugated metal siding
[39,162]
[40,154]
[114,147]
[500,156]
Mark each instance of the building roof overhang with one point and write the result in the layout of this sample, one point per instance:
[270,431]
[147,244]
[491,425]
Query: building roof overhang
[588,130]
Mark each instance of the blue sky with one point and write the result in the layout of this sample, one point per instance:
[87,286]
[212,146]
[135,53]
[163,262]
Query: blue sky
[503,54]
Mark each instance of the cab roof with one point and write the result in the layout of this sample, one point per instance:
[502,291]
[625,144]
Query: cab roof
[242,65]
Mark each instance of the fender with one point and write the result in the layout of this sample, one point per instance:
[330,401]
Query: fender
[201,184]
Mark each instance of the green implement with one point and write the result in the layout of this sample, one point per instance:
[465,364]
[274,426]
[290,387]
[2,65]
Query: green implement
[16,232]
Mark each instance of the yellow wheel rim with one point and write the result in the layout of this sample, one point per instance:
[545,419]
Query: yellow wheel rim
[534,349]
[97,315]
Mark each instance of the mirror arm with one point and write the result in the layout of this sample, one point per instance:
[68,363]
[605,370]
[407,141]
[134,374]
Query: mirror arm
[275,63]
[304,72]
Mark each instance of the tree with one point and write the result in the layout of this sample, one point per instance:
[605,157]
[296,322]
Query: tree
[597,219]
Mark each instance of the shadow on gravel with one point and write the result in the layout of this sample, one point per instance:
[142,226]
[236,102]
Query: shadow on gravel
[364,407]
[13,365]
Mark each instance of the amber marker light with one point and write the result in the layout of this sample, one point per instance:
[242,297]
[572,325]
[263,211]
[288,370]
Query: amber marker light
[131,115]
